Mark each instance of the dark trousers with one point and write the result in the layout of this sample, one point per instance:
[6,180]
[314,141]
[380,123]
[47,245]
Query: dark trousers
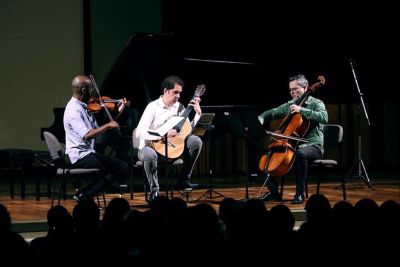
[300,167]
[112,169]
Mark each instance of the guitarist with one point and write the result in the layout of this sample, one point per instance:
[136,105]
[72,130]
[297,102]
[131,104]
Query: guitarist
[154,116]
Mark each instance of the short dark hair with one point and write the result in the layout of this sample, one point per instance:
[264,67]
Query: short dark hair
[170,82]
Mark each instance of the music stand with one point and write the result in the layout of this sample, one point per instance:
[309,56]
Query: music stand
[202,126]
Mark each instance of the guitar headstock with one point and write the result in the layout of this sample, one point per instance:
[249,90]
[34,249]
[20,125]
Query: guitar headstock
[200,89]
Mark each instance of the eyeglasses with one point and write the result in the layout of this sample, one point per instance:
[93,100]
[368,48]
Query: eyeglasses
[295,88]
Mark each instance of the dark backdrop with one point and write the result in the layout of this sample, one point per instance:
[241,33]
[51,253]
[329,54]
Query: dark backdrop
[278,41]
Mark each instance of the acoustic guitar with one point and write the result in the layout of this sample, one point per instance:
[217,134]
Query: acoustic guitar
[176,144]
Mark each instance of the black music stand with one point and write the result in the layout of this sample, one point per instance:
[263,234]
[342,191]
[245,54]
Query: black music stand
[203,125]
[243,121]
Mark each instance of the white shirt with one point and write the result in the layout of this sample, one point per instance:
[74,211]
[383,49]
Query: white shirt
[154,116]
[77,123]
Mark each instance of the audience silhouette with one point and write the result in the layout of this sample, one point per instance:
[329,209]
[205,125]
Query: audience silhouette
[242,230]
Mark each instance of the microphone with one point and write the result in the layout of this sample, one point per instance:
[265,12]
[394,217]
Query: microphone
[350,59]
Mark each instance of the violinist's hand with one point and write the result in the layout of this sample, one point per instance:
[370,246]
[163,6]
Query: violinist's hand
[121,104]
[112,125]
[172,133]
[195,103]
[294,109]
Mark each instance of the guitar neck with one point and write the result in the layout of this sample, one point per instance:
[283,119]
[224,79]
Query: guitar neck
[185,114]
[187,111]
[199,92]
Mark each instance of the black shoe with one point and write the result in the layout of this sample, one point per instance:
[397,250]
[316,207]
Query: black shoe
[187,185]
[78,197]
[271,196]
[153,195]
[298,199]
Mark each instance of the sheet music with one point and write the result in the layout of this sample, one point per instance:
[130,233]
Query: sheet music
[168,125]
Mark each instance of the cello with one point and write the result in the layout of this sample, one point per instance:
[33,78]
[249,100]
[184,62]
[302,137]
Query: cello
[280,154]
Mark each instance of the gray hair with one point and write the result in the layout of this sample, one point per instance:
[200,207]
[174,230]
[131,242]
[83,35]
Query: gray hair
[301,79]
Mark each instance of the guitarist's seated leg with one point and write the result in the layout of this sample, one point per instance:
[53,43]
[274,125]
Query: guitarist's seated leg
[149,158]
[192,150]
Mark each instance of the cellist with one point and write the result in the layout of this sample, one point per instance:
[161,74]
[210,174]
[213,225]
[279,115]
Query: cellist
[315,112]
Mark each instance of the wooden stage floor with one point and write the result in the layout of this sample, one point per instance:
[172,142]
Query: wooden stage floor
[30,215]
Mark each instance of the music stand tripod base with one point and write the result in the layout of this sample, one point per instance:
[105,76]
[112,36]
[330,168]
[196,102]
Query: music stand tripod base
[186,194]
[210,191]
[203,125]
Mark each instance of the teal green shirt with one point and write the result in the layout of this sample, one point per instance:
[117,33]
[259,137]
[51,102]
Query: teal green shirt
[313,110]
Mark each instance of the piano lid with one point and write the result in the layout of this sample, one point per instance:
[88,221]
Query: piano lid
[138,69]
[148,58]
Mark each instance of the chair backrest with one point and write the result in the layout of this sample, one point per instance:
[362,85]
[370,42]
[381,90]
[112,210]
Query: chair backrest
[54,146]
[333,136]
[135,140]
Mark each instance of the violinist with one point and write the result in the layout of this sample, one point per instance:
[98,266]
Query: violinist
[81,129]
[315,112]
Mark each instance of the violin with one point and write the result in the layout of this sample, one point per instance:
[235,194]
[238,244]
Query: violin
[95,104]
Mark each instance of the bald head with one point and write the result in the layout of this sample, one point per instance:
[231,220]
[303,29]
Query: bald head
[81,87]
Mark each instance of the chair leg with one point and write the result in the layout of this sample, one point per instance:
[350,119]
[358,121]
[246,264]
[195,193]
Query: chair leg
[37,187]
[319,178]
[122,189]
[23,191]
[344,187]
[48,186]
[131,182]
[98,200]
[62,192]
[171,182]
[306,189]
[54,191]
[64,189]
[282,185]
[104,200]
[12,186]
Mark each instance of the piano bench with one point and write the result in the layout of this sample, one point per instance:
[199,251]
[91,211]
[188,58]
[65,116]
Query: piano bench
[22,164]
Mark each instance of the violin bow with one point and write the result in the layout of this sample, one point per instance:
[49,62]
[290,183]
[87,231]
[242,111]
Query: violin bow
[102,104]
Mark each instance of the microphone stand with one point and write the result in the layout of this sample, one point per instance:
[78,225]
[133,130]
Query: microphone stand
[361,170]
